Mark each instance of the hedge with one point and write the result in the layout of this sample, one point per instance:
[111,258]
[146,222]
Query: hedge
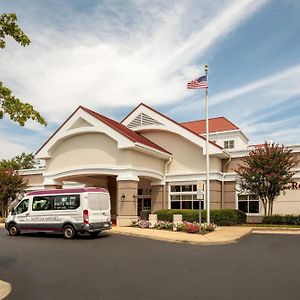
[282,220]
[225,217]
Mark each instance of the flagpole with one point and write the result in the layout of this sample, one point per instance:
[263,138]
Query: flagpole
[207,152]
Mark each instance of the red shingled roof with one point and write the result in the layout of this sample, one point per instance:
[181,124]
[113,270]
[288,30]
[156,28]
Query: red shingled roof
[214,124]
[130,134]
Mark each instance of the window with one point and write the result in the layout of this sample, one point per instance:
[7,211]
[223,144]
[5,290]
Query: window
[60,202]
[144,200]
[22,207]
[249,204]
[229,144]
[42,203]
[184,197]
[57,202]
[74,201]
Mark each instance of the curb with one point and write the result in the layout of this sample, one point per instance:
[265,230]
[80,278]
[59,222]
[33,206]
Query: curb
[5,289]
[187,241]
[279,229]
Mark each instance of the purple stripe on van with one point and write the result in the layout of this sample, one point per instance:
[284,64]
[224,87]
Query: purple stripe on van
[69,191]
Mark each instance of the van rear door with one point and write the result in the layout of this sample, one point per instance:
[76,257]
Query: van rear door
[99,207]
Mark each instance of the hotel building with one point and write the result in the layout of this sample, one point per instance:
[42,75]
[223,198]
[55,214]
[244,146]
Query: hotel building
[149,162]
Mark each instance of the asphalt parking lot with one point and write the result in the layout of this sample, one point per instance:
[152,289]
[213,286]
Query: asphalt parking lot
[122,267]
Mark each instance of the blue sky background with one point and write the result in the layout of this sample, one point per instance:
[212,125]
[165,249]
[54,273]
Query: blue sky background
[111,55]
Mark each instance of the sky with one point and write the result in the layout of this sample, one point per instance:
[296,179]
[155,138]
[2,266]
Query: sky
[111,55]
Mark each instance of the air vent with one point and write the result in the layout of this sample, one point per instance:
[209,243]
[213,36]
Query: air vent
[142,120]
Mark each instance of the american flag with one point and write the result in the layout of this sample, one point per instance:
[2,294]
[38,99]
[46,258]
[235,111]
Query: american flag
[199,83]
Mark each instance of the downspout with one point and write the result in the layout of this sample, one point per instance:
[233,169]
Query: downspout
[223,177]
[164,178]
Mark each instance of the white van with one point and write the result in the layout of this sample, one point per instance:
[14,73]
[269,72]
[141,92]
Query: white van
[69,211]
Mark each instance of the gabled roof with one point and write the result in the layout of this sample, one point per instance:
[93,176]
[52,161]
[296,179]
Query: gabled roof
[218,124]
[120,128]
[173,121]
[130,134]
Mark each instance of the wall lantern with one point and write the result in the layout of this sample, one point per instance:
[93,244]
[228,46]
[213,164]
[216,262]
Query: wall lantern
[123,197]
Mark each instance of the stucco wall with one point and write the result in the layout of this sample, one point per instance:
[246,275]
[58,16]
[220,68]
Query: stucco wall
[229,195]
[34,179]
[288,202]
[96,149]
[233,164]
[145,161]
[84,149]
[187,157]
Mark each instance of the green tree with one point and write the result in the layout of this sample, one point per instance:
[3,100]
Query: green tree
[265,172]
[22,161]
[12,186]
[9,104]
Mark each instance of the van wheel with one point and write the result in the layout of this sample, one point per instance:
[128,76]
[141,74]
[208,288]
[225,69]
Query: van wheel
[13,230]
[69,232]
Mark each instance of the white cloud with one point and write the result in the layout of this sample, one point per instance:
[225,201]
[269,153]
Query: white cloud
[253,106]
[285,84]
[10,148]
[118,58]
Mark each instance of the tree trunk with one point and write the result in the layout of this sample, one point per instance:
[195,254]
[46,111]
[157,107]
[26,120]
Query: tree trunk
[265,207]
[271,207]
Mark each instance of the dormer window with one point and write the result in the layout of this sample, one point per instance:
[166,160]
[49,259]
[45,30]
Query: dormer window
[229,144]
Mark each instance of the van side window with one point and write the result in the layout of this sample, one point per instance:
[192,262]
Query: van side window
[74,201]
[42,203]
[60,202]
[22,207]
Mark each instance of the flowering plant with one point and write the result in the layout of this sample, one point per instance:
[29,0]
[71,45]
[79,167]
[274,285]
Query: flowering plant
[188,227]
[140,224]
[209,227]
[184,226]
[195,227]
[164,225]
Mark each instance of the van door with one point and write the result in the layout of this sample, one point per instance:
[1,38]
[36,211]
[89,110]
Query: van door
[99,207]
[42,218]
[21,216]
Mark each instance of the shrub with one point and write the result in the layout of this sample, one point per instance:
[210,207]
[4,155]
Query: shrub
[223,217]
[140,224]
[164,225]
[209,227]
[194,227]
[188,227]
[282,220]
[2,220]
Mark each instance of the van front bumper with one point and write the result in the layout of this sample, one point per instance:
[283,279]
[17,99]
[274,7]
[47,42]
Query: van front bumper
[97,227]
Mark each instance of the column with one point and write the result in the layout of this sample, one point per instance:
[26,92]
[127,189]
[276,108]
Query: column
[157,198]
[126,201]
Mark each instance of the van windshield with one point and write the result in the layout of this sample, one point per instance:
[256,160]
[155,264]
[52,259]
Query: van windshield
[98,201]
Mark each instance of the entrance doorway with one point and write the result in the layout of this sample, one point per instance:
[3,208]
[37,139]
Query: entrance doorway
[144,201]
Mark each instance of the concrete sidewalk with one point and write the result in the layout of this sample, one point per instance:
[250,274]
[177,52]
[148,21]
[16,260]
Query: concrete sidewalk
[222,235]
[5,289]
